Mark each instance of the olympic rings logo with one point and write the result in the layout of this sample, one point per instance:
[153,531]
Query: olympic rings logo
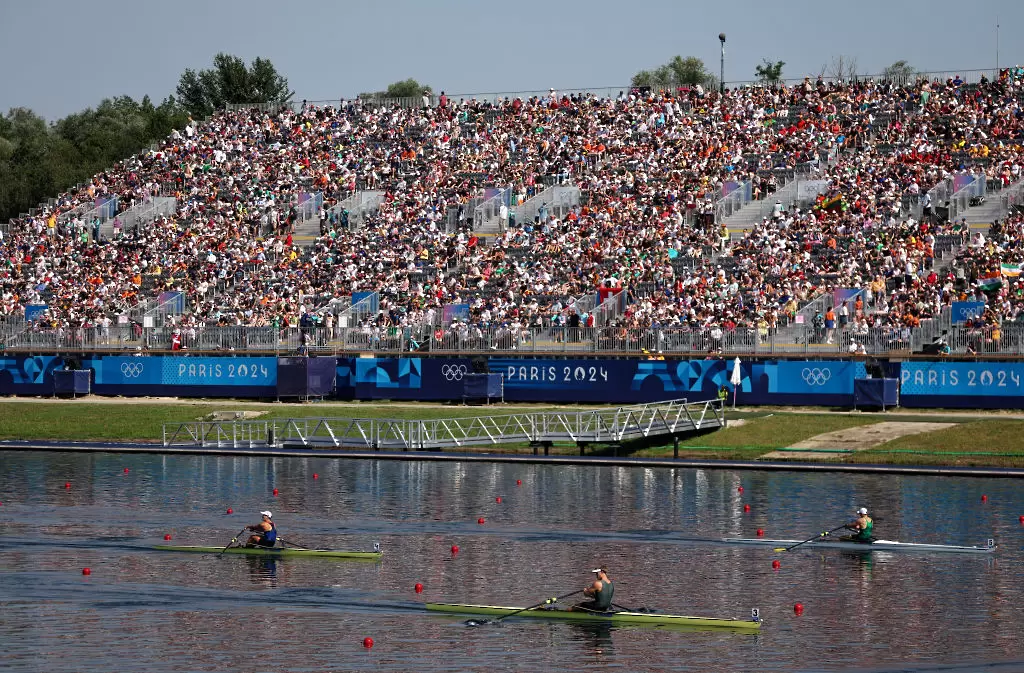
[814,376]
[967,312]
[132,370]
[453,372]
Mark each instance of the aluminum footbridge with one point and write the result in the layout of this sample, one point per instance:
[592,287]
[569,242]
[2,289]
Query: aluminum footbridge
[540,429]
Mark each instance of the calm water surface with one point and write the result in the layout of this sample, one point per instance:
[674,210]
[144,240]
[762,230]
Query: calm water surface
[144,610]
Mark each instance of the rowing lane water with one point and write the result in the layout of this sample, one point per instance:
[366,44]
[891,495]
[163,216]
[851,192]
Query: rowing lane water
[144,610]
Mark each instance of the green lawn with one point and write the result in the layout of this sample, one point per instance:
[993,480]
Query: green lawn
[986,442]
[995,442]
[130,421]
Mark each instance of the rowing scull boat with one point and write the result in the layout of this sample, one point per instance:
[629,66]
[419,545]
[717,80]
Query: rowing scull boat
[620,617]
[276,552]
[877,545]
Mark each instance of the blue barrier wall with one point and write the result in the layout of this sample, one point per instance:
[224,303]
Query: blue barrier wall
[988,385]
[977,385]
[629,381]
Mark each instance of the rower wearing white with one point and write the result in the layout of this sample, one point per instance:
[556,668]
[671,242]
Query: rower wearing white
[265,532]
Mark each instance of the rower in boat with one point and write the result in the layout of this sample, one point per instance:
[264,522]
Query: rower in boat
[265,532]
[600,592]
[862,528]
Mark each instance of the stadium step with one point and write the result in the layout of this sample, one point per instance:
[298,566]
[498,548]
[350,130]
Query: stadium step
[752,213]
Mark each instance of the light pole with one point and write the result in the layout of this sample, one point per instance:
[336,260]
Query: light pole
[721,78]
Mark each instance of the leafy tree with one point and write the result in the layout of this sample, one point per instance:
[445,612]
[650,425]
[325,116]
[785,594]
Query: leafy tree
[678,72]
[899,72]
[769,72]
[38,161]
[408,88]
[231,81]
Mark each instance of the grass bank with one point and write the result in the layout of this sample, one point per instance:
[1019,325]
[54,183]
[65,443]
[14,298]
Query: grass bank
[976,441]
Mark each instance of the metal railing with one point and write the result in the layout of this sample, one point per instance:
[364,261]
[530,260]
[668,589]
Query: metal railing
[1007,339]
[1013,197]
[966,196]
[733,201]
[359,206]
[611,425]
[798,339]
[147,212]
[488,216]
[310,208]
[557,200]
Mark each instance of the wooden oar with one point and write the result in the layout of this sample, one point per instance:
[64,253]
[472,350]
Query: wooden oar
[234,540]
[475,622]
[811,539]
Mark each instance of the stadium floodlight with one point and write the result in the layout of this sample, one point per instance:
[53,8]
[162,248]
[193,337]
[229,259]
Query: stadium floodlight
[721,77]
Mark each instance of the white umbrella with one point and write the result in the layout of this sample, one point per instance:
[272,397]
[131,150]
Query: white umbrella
[736,379]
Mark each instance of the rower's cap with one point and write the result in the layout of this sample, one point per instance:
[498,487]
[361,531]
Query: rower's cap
[862,510]
[599,570]
[267,513]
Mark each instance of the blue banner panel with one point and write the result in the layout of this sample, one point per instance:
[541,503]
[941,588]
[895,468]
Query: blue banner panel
[185,371]
[21,375]
[630,381]
[962,311]
[402,378]
[989,385]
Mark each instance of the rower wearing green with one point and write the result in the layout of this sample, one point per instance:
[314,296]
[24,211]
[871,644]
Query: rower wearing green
[600,592]
[862,526]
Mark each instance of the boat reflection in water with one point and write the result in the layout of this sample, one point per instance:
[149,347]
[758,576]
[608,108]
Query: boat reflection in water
[595,637]
[262,570]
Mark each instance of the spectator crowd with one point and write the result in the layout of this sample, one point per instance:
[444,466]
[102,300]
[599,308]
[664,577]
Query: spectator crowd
[650,167]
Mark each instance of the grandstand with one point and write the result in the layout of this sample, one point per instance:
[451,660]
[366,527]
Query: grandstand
[812,217]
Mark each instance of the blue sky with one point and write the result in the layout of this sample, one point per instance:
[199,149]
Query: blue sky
[60,57]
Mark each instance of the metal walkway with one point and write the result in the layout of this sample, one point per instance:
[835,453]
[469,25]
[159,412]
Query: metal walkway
[611,426]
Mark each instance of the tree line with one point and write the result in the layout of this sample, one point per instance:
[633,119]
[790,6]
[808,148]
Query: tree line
[39,160]
[692,71]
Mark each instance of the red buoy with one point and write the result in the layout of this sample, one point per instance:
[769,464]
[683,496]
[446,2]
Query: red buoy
[984,498]
[455,549]
[798,608]
[275,491]
[519,482]
[760,532]
[167,537]
[316,476]
[739,490]
[776,565]
[498,499]
[481,520]
[367,643]
[86,571]
[746,508]
[1021,516]
[126,470]
[230,511]
[67,484]
[419,588]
